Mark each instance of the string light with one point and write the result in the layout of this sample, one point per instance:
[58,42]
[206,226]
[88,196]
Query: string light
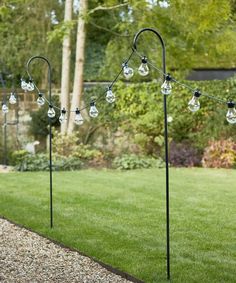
[166,87]
[194,104]
[12,99]
[51,111]
[93,112]
[127,71]
[143,69]
[231,114]
[62,117]
[110,97]
[40,99]
[24,85]
[4,108]
[78,117]
[30,86]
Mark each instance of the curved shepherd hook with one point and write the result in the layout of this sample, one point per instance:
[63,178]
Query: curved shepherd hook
[166,143]
[50,124]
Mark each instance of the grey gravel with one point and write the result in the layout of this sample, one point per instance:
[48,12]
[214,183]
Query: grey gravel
[28,257]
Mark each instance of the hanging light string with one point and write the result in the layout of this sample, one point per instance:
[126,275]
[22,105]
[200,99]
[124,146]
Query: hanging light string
[128,72]
[178,82]
[30,86]
[12,98]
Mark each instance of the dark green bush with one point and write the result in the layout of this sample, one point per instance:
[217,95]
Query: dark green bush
[132,161]
[40,162]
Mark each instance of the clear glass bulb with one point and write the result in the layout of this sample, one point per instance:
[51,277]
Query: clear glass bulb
[143,69]
[24,84]
[4,108]
[93,112]
[51,112]
[110,97]
[128,72]
[164,4]
[194,104]
[30,86]
[40,100]
[62,117]
[166,87]
[12,99]
[231,114]
[78,117]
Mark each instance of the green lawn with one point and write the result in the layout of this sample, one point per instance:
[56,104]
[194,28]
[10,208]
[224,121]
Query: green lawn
[119,218]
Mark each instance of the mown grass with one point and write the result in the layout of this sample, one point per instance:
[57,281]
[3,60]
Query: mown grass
[119,218]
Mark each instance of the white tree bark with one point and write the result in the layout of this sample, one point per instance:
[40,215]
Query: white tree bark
[66,55]
[79,63]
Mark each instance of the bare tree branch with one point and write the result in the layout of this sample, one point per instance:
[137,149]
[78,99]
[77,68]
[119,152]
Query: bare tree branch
[106,8]
[108,30]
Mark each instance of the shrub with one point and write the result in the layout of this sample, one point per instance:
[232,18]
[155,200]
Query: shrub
[184,155]
[132,161]
[70,146]
[40,162]
[220,154]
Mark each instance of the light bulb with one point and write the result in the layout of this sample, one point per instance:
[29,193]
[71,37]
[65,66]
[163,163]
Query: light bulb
[164,4]
[51,112]
[12,99]
[40,100]
[143,69]
[166,86]
[127,71]
[231,114]
[194,104]
[24,84]
[62,117]
[30,86]
[110,97]
[78,117]
[169,119]
[4,108]
[93,112]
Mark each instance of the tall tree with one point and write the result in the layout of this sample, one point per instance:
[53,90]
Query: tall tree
[79,62]
[66,57]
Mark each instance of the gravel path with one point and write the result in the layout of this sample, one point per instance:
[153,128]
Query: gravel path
[28,257]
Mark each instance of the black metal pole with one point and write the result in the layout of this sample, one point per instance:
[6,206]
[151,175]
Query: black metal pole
[50,128]
[166,143]
[4,122]
[5,139]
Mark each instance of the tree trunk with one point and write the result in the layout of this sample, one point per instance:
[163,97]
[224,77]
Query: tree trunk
[65,74]
[79,63]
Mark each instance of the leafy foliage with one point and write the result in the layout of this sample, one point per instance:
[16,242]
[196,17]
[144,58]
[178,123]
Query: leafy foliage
[184,155]
[39,124]
[196,34]
[40,162]
[132,161]
[220,154]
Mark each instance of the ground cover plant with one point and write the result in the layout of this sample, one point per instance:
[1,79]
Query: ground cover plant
[118,217]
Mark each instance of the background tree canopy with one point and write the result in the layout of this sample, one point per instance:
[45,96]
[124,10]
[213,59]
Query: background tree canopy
[196,34]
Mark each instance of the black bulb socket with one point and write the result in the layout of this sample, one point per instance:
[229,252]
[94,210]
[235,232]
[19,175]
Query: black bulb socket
[144,60]
[40,94]
[230,104]
[77,111]
[197,93]
[50,106]
[92,103]
[63,111]
[168,77]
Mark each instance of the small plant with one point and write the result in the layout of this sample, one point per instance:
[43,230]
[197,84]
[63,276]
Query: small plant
[184,155]
[40,162]
[132,161]
[220,154]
